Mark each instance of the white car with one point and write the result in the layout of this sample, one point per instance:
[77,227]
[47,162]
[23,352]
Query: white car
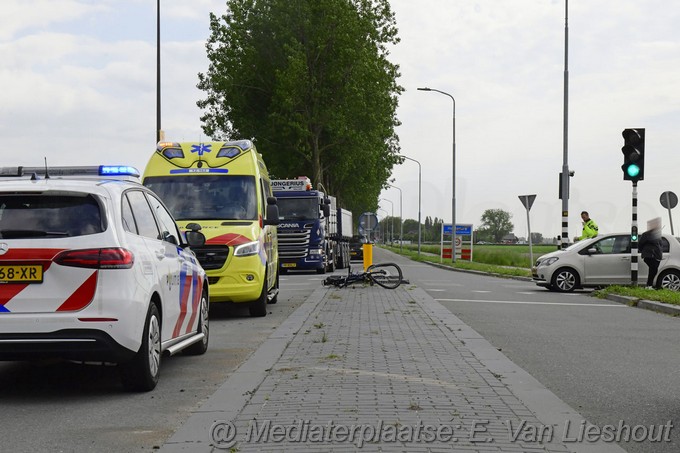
[93,268]
[604,260]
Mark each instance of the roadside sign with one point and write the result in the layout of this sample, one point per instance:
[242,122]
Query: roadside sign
[460,229]
[463,241]
[669,200]
[368,221]
[527,200]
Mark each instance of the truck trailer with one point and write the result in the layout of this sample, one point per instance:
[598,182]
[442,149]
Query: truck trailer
[313,232]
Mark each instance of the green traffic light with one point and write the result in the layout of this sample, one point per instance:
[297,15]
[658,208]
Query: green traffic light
[633,170]
[634,237]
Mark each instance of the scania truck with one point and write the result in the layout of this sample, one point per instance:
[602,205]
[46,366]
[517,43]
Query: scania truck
[225,188]
[313,232]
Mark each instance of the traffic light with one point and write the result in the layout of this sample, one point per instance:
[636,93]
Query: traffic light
[634,234]
[633,155]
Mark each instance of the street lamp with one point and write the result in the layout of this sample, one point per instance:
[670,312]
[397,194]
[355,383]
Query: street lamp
[392,220]
[453,198]
[401,220]
[419,193]
[158,71]
[387,214]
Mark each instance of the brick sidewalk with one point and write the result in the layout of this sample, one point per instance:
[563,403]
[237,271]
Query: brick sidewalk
[371,369]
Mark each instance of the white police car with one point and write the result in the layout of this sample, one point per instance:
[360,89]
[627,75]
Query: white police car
[94,268]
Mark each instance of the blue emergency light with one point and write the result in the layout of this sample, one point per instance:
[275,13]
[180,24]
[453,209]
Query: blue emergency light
[118,170]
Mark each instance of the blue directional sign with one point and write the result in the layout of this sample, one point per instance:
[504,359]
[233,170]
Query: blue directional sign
[461,230]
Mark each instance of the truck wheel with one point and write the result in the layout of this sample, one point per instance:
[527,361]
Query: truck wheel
[258,307]
[141,373]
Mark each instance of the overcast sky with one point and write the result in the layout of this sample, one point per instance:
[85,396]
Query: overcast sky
[78,85]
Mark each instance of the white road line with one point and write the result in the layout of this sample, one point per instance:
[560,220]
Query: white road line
[528,303]
[480,291]
[437,290]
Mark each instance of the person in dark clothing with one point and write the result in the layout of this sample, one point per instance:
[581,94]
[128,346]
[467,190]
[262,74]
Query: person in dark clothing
[651,250]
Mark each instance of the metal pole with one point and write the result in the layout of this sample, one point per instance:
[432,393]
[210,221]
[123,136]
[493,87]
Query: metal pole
[564,183]
[634,241]
[401,219]
[158,71]
[392,220]
[453,179]
[670,216]
[419,198]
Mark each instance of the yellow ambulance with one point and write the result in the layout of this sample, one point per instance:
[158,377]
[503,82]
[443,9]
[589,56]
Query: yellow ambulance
[225,188]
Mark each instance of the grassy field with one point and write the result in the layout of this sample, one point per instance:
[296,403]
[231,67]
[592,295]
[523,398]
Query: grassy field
[513,260]
[497,255]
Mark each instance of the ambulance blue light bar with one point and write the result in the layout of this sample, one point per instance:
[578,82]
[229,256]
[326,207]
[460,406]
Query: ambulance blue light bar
[118,170]
[59,172]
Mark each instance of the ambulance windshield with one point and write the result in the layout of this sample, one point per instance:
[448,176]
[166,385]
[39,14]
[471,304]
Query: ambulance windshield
[207,197]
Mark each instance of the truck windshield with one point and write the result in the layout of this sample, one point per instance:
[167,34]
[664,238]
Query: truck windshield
[298,208]
[207,197]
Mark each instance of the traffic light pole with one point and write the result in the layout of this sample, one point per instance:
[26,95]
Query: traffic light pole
[634,240]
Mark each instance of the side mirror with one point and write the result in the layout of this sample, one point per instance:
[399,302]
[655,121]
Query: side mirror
[326,210]
[272,213]
[592,251]
[194,236]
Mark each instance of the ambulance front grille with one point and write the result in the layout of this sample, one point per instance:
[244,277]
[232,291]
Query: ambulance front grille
[211,257]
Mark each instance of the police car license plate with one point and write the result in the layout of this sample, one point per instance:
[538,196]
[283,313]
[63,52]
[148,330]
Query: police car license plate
[288,265]
[30,273]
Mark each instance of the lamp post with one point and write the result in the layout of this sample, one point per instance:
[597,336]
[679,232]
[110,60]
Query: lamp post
[158,71]
[401,220]
[453,198]
[392,219]
[387,214]
[419,194]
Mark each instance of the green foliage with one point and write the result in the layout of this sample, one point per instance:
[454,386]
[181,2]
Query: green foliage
[660,295]
[496,224]
[309,81]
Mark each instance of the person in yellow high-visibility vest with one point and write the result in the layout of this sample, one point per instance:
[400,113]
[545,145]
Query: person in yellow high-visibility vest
[590,229]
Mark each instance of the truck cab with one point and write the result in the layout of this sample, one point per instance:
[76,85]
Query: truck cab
[314,231]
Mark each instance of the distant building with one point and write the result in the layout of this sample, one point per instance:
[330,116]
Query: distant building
[509,239]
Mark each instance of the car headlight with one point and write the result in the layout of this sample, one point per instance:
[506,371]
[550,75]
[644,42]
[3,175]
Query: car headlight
[316,252]
[547,262]
[251,248]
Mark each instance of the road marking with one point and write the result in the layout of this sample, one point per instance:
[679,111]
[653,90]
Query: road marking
[528,303]
[437,290]
[480,291]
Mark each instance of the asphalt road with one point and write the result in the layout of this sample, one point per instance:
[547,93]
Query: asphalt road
[62,406]
[608,361]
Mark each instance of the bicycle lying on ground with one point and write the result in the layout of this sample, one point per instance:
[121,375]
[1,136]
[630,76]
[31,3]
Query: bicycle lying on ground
[387,275]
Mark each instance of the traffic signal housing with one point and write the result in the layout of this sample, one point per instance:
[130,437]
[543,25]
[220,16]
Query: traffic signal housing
[633,154]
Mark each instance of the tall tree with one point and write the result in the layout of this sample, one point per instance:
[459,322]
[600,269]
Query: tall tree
[496,223]
[309,81]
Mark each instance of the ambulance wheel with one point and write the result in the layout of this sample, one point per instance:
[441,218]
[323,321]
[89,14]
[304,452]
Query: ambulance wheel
[258,307]
[141,373]
[201,347]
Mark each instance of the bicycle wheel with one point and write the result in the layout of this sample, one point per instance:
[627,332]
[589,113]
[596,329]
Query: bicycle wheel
[387,275]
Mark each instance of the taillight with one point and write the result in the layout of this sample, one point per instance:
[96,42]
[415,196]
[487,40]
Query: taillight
[109,258]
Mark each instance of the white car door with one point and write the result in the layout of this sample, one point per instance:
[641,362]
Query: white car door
[608,262]
[166,264]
